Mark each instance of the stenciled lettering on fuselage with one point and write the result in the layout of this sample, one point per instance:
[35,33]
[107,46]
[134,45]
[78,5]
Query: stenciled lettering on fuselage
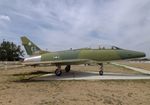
[56,57]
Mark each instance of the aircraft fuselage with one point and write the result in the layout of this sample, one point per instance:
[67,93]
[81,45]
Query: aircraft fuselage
[90,54]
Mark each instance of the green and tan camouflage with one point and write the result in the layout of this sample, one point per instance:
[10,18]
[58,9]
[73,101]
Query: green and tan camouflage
[31,48]
[81,56]
[98,55]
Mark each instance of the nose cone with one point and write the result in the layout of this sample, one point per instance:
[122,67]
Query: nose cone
[128,54]
[141,54]
[136,54]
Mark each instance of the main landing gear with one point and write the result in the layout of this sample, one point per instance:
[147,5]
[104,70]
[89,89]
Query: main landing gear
[58,71]
[101,68]
[67,68]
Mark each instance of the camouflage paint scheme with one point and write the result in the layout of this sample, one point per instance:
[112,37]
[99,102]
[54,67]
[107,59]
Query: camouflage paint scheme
[74,57]
[78,56]
[91,54]
[31,48]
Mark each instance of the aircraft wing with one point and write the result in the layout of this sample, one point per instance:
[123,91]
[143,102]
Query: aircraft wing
[58,62]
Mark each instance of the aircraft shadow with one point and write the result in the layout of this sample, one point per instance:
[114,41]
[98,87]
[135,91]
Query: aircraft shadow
[73,74]
[81,74]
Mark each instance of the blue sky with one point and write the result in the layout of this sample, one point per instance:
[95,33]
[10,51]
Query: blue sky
[63,24]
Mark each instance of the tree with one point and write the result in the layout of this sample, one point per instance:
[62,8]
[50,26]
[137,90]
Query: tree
[10,51]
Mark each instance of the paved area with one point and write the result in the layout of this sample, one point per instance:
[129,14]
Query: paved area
[75,75]
[139,61]
[133,68]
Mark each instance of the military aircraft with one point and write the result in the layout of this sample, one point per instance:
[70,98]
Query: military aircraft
[75,56]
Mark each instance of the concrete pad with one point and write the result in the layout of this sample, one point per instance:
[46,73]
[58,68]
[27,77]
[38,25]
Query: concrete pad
[133,68]
[76,75]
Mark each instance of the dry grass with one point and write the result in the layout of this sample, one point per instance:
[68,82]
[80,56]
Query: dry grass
[71,92]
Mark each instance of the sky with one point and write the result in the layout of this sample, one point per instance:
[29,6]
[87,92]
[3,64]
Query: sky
[64,24]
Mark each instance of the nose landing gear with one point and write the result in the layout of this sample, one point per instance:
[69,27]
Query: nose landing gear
[101,68]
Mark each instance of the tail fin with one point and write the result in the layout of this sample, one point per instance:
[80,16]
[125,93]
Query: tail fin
[30,47]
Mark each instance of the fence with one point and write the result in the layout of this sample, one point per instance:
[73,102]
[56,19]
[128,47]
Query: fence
[9,65]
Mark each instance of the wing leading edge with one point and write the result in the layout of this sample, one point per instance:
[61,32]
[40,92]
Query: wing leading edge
[58,62]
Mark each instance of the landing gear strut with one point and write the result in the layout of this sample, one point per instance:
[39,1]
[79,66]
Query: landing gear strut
[58,71]
[67,68]
[101,69]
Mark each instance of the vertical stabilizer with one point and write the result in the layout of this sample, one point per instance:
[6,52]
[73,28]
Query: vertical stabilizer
[30,47]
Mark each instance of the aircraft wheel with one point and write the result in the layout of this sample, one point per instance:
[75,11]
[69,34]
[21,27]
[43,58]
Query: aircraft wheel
[67,68]
[100,72]
[58,72]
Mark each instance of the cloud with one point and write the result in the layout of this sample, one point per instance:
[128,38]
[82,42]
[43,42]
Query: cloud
[4,21]
[4,18]
[62,24]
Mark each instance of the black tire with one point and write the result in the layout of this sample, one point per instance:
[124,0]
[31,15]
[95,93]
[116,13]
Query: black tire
[58,72]
[100,72]
[67,68]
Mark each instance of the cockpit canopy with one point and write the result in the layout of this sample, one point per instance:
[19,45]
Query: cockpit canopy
[102,47]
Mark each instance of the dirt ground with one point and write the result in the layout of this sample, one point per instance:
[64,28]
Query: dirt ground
[14,90]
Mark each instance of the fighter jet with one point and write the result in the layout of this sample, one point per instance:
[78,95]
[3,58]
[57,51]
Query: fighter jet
[75,56]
